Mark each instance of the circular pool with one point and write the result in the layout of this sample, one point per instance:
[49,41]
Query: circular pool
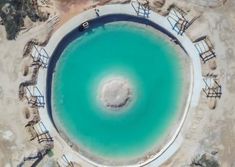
[116,91]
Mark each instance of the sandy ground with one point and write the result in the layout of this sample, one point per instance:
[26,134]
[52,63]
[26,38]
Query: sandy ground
[213,130]
[68,9]
[205,130]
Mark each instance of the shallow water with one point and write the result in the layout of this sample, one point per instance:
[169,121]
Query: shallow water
[135,53]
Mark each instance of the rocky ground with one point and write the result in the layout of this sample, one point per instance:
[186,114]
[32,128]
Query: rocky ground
[13,13]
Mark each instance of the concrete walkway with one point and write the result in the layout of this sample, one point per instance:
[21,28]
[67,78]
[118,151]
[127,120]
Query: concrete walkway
[194,93]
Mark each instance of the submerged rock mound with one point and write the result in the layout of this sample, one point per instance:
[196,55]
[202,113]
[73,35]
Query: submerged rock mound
[115,93]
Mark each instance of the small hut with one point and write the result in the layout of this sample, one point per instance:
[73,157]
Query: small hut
[212,88]
[205,48]
[178,21]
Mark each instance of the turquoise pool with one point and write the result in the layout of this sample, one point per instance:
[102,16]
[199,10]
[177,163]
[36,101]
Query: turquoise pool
[136,53]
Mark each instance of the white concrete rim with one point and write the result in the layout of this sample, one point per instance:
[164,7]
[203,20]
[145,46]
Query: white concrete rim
[196,77]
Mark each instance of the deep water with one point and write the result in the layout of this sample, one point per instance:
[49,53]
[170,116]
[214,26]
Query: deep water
[151,65]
